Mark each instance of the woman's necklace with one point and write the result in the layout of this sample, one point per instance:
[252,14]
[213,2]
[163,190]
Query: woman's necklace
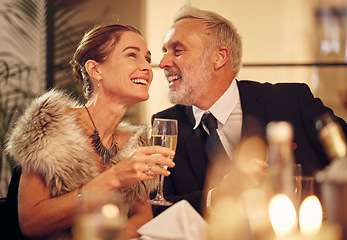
[99,148]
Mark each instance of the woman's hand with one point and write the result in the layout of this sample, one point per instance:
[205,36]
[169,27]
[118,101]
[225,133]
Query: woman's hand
[130,170]
[143,164]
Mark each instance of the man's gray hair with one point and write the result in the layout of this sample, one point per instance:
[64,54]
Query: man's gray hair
[225,34]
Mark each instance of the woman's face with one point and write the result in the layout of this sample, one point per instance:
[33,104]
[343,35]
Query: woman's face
[127,73]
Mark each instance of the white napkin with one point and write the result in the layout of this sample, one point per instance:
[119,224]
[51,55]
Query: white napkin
[180,221]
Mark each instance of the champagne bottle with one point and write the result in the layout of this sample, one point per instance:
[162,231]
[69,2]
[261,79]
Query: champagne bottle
[281,158]
[332,137]
[333,179]
[334,143]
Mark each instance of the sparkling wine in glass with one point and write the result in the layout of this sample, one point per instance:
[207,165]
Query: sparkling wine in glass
[164,133]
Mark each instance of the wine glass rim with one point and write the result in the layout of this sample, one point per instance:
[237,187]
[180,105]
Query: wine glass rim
[165,119]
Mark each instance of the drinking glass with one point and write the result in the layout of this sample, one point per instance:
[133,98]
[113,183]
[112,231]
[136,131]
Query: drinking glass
[307,187]
[164,133]
[297,174]
[100,217]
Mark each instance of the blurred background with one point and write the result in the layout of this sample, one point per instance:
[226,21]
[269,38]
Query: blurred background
[283,41]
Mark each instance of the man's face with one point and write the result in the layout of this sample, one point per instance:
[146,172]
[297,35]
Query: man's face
[187,62]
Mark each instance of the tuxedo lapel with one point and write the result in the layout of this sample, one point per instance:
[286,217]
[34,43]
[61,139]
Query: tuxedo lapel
[194,146]
[253,109]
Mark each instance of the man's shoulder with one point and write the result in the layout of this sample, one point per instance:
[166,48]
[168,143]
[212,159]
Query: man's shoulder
[251,83]
[266,87]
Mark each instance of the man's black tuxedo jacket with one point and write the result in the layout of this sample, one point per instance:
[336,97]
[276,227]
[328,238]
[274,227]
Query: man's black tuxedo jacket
[261,104]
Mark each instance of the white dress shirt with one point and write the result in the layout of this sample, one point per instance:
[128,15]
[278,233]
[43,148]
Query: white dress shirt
[228,112]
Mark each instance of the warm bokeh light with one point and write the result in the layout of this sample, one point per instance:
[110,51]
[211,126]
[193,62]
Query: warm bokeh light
[310,216]
[255,207]
[282,215]
[110,211]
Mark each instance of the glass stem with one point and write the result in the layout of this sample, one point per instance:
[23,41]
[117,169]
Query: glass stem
[161,185]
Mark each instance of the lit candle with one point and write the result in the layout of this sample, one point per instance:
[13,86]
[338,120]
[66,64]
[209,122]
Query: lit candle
[282,215]
[284,221]
[310,216]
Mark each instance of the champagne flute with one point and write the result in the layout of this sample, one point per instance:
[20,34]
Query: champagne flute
[297,175]
[164,133]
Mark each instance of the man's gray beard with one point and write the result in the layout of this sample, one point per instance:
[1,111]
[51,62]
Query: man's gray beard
[189,94]
[191,89]
[182,96]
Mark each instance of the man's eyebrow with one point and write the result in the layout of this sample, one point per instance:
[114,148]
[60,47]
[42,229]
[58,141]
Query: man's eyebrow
[174,44]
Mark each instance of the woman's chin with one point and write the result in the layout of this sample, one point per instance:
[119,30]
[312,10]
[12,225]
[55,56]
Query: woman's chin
[142,98]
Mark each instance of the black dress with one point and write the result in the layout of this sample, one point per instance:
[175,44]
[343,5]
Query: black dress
[10,224]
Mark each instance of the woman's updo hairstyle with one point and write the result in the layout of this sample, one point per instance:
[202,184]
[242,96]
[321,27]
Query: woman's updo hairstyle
[97,44]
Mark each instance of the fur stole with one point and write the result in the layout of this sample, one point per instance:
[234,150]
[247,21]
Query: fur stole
[47,140]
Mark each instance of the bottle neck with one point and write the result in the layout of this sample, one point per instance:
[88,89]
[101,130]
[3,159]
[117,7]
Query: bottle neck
[281,161]
[333,141]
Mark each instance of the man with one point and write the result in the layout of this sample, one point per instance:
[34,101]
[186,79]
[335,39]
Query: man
[202,58]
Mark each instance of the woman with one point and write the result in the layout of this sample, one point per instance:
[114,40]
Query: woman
[70,153]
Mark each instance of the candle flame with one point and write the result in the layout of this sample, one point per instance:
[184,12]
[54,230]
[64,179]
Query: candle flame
[282,215]
[310,216]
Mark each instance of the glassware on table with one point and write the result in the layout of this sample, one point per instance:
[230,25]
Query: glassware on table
[297,175]
[164,133]
[100,217]
[281,158]
[307,187]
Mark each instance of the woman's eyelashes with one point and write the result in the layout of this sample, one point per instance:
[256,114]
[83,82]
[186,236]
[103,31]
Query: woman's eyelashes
[132,54]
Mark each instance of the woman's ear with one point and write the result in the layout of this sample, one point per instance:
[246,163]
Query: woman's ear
[221,57]
[92,68]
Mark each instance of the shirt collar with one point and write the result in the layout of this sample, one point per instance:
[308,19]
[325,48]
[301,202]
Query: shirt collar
[222,108]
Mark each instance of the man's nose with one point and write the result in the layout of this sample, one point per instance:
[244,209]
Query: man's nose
[165,62]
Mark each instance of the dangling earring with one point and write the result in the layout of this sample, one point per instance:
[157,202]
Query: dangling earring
[98,83]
